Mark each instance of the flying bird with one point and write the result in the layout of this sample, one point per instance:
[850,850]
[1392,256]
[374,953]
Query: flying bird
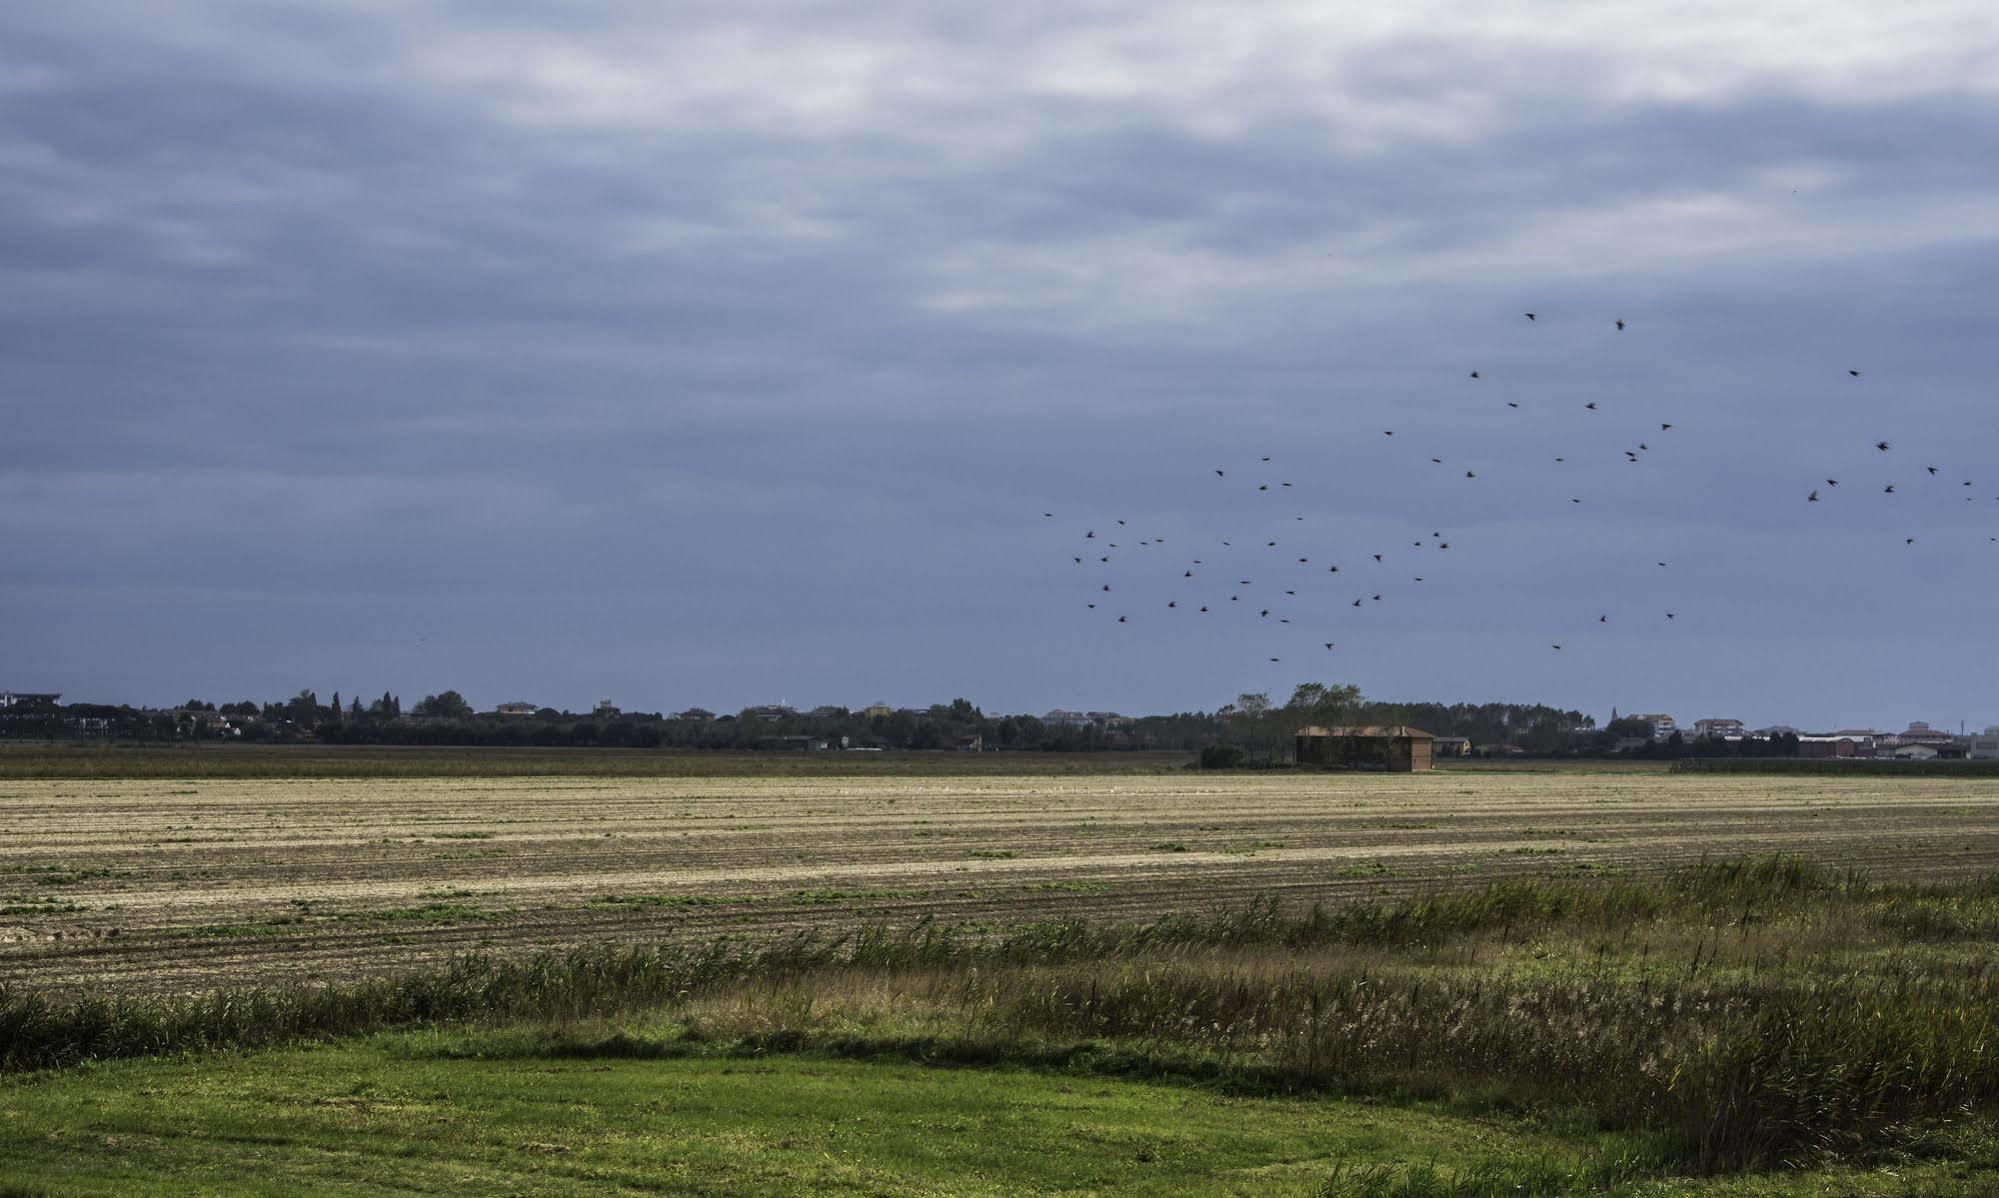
[1854,373]
[1620,328]
[1530,316]
[1474,374]
[1591,405]
[1882,446]
[1813,497]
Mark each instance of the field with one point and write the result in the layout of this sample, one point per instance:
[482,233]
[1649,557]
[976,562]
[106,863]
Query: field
[185,885]
[1133,980]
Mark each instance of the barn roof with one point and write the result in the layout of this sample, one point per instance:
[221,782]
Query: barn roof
[1369,731]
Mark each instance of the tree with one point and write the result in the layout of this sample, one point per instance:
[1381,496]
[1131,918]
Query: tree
[303,708]
[197,705]
[448,706]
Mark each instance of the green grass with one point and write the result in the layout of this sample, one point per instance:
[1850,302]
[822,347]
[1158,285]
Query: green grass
[1735,1015]
[467,1113]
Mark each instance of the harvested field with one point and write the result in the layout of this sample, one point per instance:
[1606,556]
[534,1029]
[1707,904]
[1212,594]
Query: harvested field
[185,885]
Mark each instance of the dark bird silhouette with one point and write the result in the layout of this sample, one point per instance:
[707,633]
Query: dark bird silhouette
[1603,619]
[1558,648]
[1910,541]
[1264,614]
[1266,459]
[1332,569]
[1474,374]
[1171,603]
[1120,619]
[1832,482]
[1932,470]
[1377,557]
[1511,404]
[1882,446]
[1620,328]
[1591,405]
[1204,609]
[1093,606]
[1263,487]
[1530,316]
[1050,515]
[1107,586]
[1439,461]
[1356,603]
[1889,489]
[1813,497]
[1573,499]
[1377,598]
[1079,561]
[1468,474]
[1090,536]
[1188,574]
[1388,432]
[1219,474]
[1854,373]
[1329,644]
[1664,427]
[1120,524]
[1669,615]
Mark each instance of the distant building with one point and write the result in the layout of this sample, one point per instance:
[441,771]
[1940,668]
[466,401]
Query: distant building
[792,744]
[1915,753]
[695,715]
[1718,729]
[1450,746]
[605,710]
[1063,718]
[1663,726]
[771,713]
[877,711]
[14,698]
[1983,746]
[1920,733]
[516,709]
[1396,748]
[1835,744]
[827,713]
[970,744]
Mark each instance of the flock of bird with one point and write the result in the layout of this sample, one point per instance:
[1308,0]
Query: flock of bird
[1263,578]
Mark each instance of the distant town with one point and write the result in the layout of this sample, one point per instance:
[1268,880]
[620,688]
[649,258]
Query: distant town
[1253,721]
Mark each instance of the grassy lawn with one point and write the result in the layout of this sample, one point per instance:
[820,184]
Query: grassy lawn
[384,1117]
[411,1114]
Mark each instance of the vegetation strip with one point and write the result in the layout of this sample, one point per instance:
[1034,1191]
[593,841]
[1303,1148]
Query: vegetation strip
[1790,1018]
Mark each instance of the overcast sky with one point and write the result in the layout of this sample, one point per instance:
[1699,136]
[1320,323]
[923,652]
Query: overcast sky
[676,355]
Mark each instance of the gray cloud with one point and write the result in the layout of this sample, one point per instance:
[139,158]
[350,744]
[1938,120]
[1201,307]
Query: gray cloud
[707,358]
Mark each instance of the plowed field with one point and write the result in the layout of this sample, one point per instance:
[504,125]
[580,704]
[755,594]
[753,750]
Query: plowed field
[186,885]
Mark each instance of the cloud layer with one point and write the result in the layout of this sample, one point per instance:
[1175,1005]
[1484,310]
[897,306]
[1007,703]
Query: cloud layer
[685,355]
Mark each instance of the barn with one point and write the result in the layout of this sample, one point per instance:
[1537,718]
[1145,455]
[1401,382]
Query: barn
[1396,748]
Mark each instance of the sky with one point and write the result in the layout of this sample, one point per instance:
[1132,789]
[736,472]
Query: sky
[718,354]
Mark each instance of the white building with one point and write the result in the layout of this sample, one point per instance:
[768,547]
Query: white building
[1717,729]
[1983,746]
[1663,726]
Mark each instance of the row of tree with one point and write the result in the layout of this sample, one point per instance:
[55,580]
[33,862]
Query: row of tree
[1253,723]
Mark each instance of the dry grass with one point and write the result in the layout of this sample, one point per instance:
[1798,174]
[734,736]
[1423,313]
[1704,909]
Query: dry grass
[181,885]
